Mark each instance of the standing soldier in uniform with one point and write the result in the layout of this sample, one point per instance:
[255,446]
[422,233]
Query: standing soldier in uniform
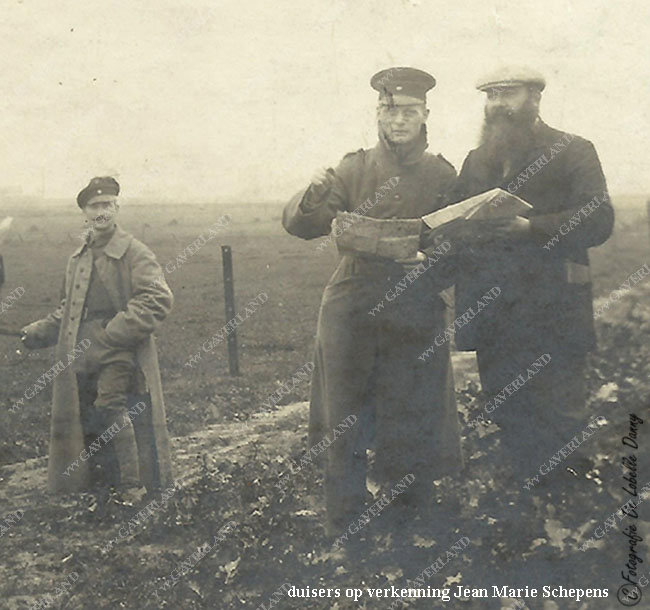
[544,312]
[366,361]
[115,297]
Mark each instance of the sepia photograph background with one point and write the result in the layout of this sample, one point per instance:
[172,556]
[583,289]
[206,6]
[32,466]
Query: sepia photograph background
[204,109]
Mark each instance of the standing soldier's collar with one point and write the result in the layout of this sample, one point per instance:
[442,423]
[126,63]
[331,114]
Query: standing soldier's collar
[115,248]
[401,154]
[99,240]
[118,244]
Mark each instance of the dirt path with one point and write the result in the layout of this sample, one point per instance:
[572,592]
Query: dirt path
[22,483]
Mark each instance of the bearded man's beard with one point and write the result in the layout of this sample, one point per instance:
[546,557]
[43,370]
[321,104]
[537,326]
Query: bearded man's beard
[506,134]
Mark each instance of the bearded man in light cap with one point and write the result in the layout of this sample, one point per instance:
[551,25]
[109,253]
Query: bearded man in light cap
[369,363]
[532,341]
[108,425]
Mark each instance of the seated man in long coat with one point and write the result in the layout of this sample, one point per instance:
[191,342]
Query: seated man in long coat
[368,360]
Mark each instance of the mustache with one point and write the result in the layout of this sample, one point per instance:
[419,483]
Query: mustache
[101,218]
[524,116]
[501,114]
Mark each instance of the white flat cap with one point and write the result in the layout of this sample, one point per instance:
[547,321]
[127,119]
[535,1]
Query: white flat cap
[510,76]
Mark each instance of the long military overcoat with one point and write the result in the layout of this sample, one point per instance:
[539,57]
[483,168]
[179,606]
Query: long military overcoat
[364,360]
[135,282]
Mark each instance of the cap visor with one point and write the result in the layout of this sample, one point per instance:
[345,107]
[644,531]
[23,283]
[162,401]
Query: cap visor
[510,83]
[98,198]
[400,100]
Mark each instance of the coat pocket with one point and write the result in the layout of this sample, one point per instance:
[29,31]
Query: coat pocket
[101,351]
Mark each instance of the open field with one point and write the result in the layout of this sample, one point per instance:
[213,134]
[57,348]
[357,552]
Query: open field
[230,476]
[274,343]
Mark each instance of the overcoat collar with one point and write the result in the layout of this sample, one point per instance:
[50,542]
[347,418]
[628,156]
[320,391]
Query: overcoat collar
[116,246]
[400,155]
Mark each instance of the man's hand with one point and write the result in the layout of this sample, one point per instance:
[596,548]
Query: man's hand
[457,233]
[321,181]
[411,263]
[30,337]
[485,231]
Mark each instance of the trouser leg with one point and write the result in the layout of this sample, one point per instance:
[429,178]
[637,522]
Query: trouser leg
[546,409]
[114,382]
[537,420]
[102,463]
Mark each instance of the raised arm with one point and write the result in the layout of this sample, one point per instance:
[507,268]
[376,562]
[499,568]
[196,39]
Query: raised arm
[310,212]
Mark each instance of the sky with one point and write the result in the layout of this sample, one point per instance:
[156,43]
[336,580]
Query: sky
[240,100]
